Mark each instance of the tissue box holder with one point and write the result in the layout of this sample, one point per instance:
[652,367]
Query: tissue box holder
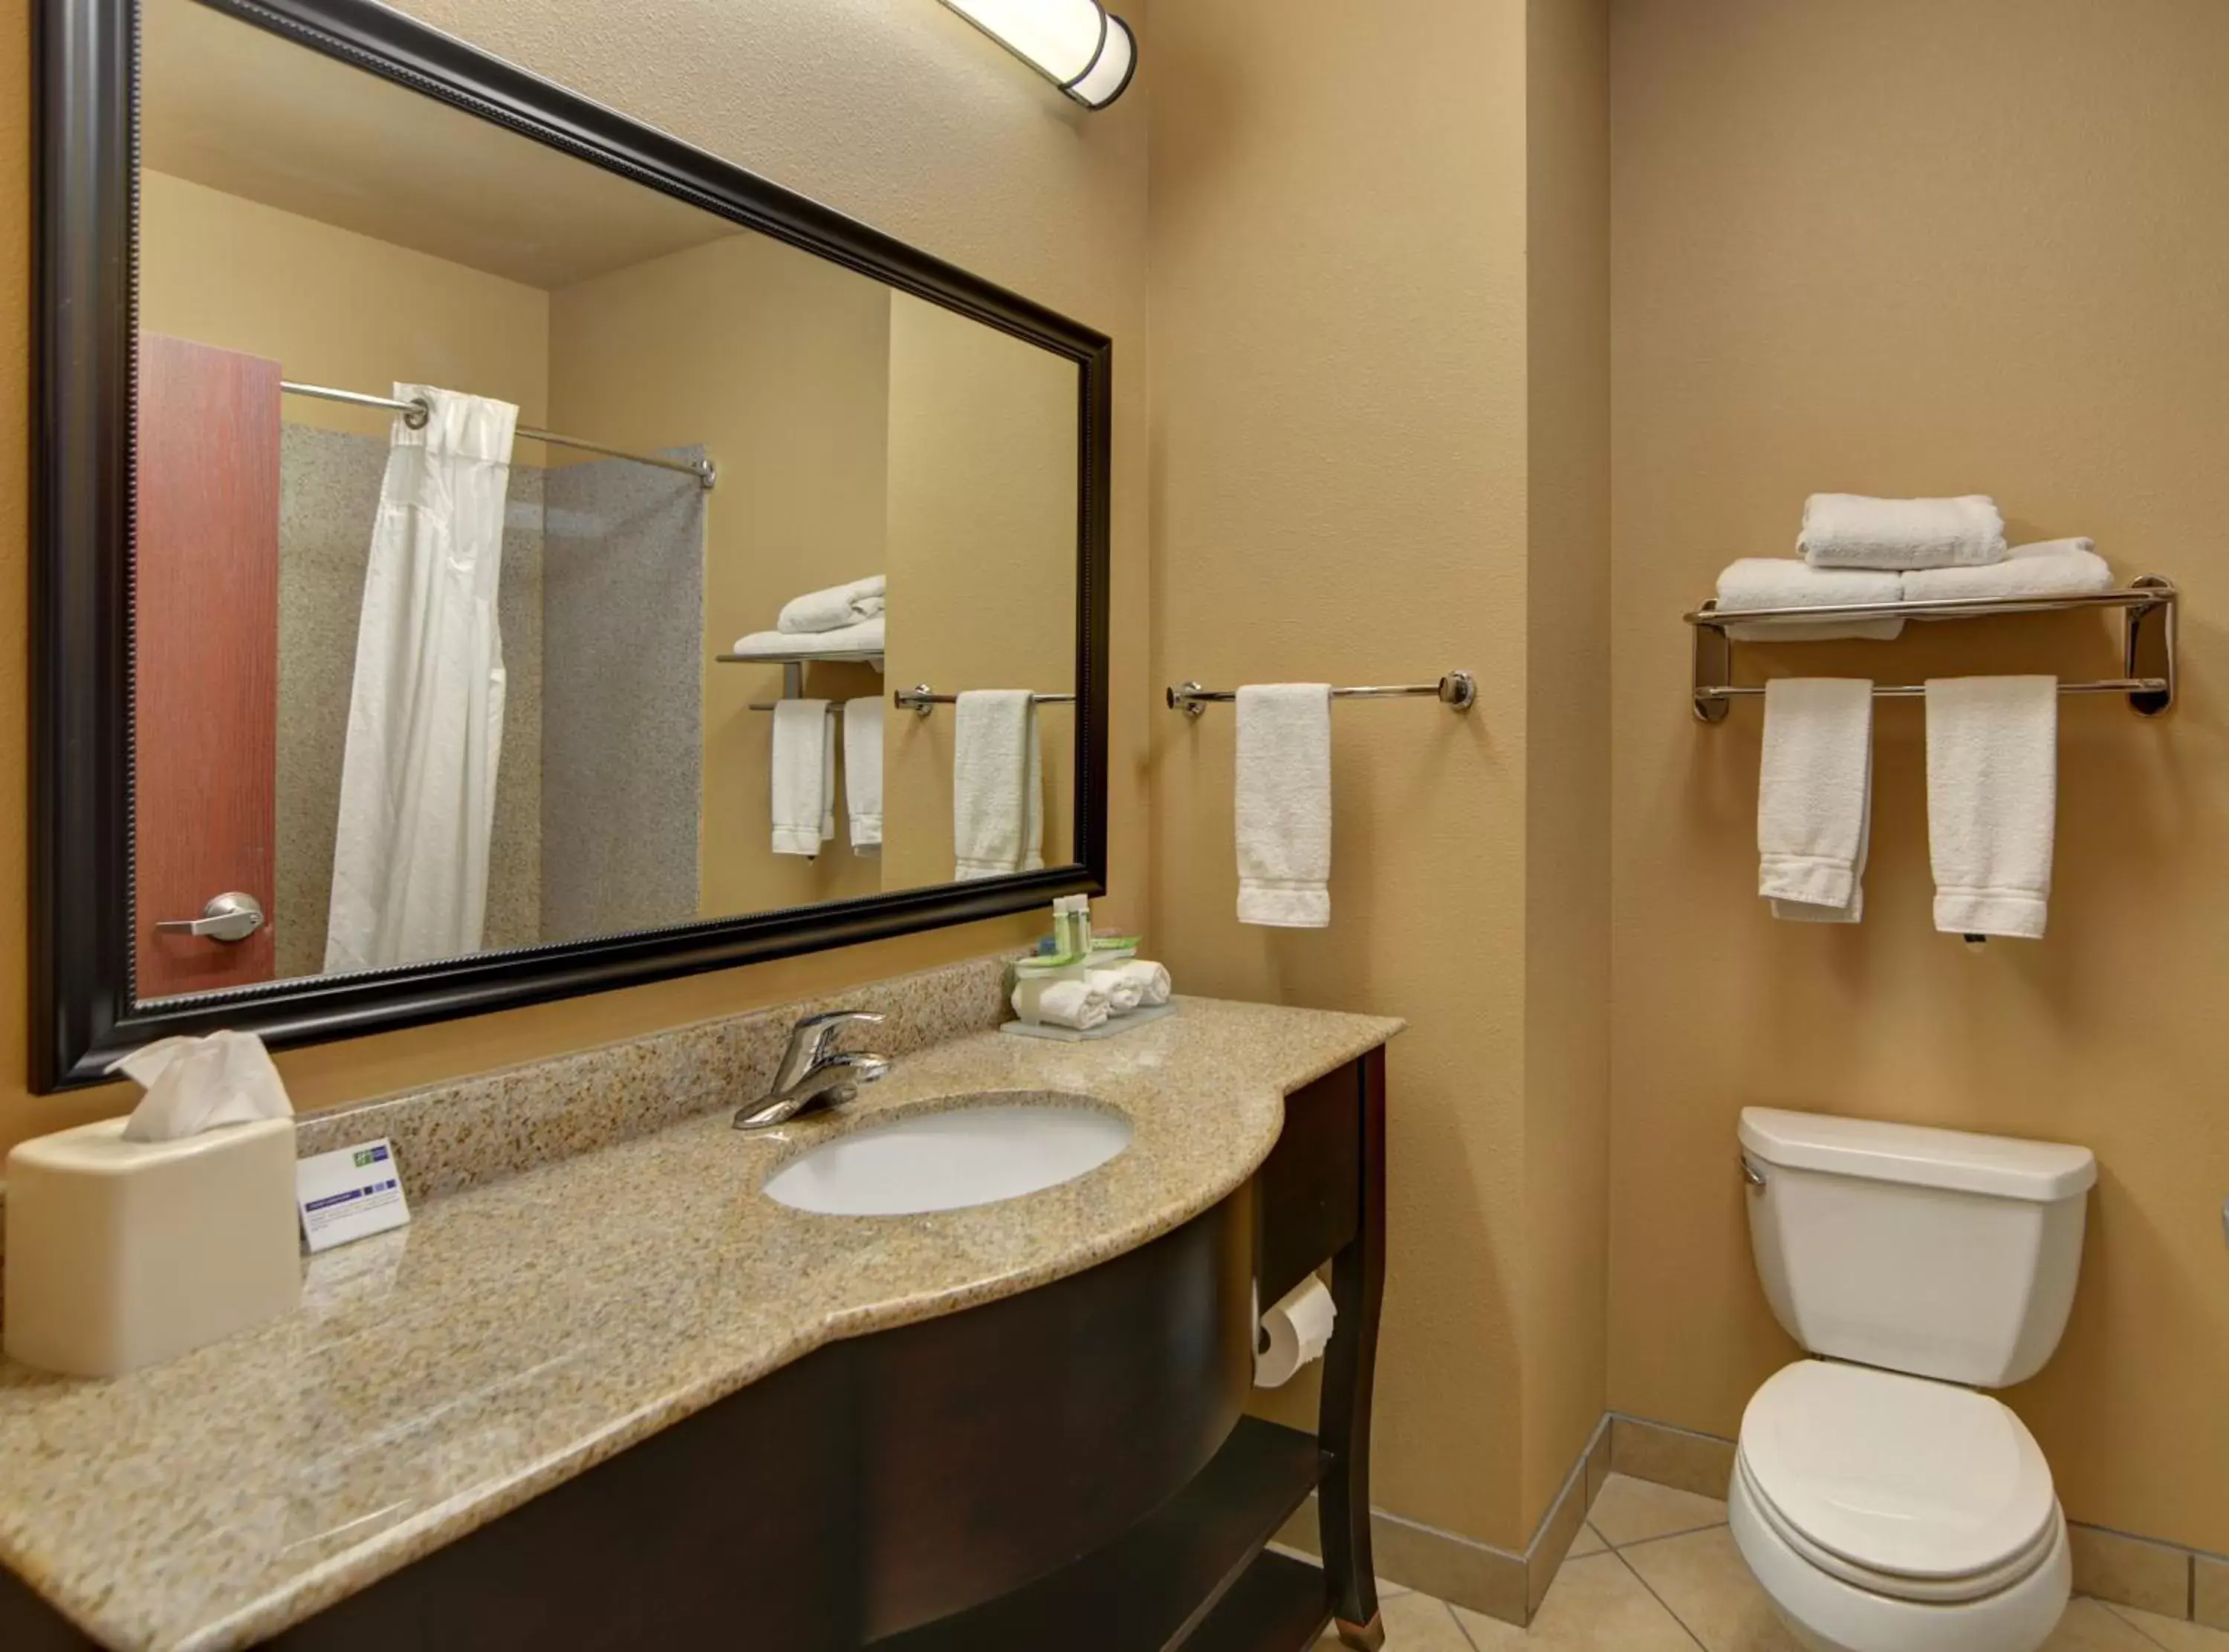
[122,1254]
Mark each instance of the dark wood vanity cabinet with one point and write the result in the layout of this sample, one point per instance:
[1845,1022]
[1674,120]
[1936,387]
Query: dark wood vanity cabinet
[1070,1467]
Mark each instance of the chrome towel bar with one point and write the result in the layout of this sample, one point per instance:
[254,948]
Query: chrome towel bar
[1457,690]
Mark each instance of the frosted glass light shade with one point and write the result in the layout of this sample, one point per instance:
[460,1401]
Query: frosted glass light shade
[1076,44]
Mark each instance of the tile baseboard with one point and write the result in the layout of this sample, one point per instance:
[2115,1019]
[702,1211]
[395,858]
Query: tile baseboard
[1471,1574]
[2164,1578]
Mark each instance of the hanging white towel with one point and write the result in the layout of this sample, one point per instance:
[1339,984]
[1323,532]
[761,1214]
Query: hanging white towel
[425,729]
[1849,530]
[830,610]
[1814,798]
[863,772]
[998,784]
[1284,806]
[804,776]
[1784,582]
[1992,802]
[2051,568]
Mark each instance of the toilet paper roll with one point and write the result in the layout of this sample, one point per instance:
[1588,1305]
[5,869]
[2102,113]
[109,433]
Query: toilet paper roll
[1296,1330]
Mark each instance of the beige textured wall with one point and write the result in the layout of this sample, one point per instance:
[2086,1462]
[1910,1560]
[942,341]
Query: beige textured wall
[777,362]
[1901,248]
[1567,738]
[902,116]
[982,564]
[1340,434]
[334,307]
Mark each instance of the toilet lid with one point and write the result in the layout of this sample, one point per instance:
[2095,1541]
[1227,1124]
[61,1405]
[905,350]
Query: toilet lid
[1898,1475]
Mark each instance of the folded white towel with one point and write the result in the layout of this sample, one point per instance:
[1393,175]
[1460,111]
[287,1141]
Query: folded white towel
[1078,1004]
[1783,582]
[804,789]
[1122,993]
[1849,530]
[1284,806]
[1814,798]
[863,772]
[2050,567]
[1992,802]
[998,784]
[865,637]
[1152,979]
[829,610]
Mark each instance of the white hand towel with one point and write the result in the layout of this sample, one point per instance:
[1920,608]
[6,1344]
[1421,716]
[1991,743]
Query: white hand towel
[1848,531]
[1992,802]
[1073,1003]
[2051,568]
[1122,993]
[1152,979]
[998,784]
[804,789]
[829,610]
[865,637]
[1783,582]
[863,772]
[1814,796]
[1284,806]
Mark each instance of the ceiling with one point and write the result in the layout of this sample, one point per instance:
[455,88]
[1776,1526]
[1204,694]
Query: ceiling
[229,106]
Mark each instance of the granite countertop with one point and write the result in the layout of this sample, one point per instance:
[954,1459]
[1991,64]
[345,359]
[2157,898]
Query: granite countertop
[515,1335]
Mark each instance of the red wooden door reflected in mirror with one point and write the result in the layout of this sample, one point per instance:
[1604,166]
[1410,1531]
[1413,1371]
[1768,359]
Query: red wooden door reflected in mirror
[205,658]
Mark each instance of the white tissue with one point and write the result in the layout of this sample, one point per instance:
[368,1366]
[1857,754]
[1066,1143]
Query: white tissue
[1299,1329]
[197,1084]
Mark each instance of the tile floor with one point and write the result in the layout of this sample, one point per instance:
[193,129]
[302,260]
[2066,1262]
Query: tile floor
[1655,1570]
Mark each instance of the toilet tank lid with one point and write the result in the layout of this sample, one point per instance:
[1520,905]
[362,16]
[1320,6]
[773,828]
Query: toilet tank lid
[2002,1166]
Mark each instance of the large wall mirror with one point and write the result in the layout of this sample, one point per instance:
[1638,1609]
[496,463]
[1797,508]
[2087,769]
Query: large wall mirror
[492,551]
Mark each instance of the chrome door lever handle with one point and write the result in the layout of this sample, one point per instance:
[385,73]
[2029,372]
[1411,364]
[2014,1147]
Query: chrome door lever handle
[231,917]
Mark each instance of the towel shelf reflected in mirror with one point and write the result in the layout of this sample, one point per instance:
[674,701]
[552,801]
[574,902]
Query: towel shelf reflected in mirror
[481,693]
[2147,606]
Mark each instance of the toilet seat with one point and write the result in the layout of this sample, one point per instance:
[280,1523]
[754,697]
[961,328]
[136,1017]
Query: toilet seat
[1899,1486]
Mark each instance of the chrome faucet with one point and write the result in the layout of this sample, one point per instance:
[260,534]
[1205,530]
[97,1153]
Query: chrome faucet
[811,1075]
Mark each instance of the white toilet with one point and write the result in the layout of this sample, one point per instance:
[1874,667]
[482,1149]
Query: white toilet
[1884,1502]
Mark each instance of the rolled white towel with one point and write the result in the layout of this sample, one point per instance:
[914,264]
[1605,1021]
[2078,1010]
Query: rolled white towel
[1849,530]
[1122,993]
[1152,979]
[837,605]
[2050,567]
[1783,582]
[1077,1004]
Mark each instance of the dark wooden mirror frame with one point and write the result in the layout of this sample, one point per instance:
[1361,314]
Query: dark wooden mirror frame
[83,1012]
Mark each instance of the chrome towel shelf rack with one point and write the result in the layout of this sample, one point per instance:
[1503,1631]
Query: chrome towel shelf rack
[2147,606]
[921,699]
[1457,689]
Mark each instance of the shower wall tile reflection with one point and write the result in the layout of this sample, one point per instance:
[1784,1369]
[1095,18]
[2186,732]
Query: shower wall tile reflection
[622,736]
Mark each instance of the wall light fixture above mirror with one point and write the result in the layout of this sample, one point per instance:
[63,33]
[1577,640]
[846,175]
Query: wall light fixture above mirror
[384,592]
[1078,45]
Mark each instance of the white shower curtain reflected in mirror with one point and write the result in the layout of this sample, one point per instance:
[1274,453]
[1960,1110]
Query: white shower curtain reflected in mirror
[425,728]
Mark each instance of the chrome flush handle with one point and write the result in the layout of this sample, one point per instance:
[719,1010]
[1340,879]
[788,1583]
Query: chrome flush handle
[231,917]
[1750,1174]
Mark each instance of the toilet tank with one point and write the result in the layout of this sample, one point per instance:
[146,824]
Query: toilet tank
[1930,1252]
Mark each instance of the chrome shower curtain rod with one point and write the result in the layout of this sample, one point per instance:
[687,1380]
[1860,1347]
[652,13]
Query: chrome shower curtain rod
[415,413]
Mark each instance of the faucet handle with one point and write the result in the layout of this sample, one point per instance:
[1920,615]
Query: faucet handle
[810,1039]
[837,1017]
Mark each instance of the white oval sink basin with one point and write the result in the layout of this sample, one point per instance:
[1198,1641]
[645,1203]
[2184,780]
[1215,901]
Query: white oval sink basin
[950,1160]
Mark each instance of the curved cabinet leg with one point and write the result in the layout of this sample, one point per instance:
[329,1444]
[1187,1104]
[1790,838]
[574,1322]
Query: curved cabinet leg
[1358,1286]
[1363,1638]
